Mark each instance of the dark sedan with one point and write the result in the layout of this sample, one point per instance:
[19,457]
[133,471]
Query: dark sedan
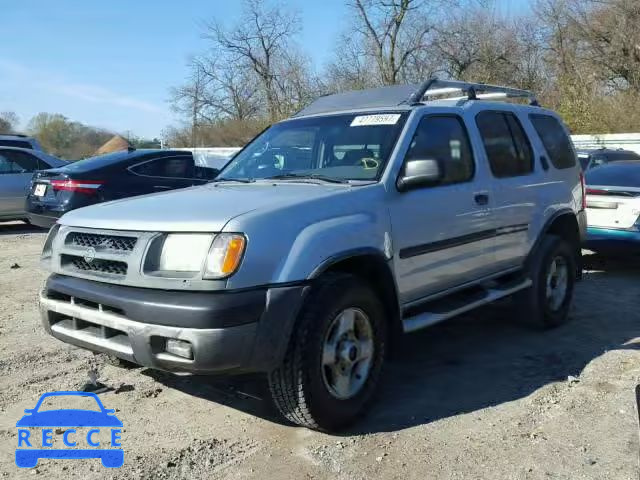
[594,158]
[116,175]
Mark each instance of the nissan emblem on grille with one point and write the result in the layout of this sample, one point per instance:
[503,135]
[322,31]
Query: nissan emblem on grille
[89,254]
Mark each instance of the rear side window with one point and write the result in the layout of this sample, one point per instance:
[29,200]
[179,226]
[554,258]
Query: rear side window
[555,140]
[17,162]
[507,146]
[15,143]
[444,138]
[167,167]
[24,161]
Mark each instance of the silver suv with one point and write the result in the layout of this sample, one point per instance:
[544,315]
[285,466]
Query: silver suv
[366,215]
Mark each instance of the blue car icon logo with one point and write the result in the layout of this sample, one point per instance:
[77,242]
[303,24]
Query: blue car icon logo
[32,446]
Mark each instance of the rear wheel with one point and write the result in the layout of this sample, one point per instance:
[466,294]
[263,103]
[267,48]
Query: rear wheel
[553,273]
[335,356]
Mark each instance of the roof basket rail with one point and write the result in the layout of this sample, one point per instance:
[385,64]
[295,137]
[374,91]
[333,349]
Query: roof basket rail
[473,91]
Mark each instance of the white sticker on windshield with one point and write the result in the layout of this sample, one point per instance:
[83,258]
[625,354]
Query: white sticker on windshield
[380,119]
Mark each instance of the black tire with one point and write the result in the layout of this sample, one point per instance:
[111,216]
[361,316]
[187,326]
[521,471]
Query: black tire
[534,308]
[297,385]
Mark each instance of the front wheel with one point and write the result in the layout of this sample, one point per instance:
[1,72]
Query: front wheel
[553,273]
[335,356]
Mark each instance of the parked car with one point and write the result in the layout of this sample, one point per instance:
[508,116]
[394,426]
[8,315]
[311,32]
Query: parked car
[366,215]
[20,141]
[110,177]
[16,169]
[594,158]
[613,207]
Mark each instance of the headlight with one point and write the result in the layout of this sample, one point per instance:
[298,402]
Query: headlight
[225,255]
[184,252]
[217,256]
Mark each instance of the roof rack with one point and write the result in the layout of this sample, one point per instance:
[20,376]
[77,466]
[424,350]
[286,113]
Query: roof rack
[472,91]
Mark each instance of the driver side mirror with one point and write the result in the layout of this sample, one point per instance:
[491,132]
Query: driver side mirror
[420,173]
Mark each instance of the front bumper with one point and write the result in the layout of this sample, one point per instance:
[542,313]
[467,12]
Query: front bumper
[246,331]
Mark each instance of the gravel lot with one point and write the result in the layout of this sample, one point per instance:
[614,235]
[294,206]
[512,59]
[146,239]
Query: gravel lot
[476,398]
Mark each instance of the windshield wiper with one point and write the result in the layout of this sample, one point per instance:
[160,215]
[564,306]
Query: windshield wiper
[241,180]
[312,176]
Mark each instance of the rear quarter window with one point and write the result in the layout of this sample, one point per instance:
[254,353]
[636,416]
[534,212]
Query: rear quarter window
[555,140]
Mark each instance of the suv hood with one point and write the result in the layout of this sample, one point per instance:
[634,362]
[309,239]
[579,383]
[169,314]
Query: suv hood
[206,208]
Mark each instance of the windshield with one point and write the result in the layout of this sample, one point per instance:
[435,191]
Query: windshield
[615,175]
[340,147]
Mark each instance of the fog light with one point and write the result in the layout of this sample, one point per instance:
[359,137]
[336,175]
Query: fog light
[180,348]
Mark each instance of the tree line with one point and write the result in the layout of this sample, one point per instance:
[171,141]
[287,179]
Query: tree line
[582,58]
[66,138]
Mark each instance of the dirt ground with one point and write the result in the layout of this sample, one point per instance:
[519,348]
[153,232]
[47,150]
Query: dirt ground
[475,398]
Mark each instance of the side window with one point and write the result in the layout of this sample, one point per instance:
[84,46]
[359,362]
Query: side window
[444,138]
[5,165]
[167,167]
[555,140]
[598,160]
[506,144]
[22,162]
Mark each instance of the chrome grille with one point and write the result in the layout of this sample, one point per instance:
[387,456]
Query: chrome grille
[99,265]
[108,242]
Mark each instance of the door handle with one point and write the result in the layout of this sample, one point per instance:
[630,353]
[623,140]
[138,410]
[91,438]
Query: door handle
[165,187]
[481,198]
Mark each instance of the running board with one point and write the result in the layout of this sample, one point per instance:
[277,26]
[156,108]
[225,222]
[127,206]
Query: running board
[428,318]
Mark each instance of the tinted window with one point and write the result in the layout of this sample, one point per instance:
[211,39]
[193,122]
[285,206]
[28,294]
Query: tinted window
[17,162]
[555,140]
[5,165]
[598,160]
[15,143]
[167,167]
[445,139]
[23,161]
[615,175]
[620,156]
[506,144]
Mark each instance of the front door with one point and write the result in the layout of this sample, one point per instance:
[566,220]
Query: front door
[443,234]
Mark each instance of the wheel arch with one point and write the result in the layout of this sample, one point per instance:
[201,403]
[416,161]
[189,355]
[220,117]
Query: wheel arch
[564,224]
[373,267]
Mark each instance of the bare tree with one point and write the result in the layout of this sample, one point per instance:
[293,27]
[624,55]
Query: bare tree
[8,122]
[261,40]
[189,99]
[474,44]
[610,33]
[393,31]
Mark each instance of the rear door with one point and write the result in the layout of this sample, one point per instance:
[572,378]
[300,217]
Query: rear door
[510,156]
[16,170]
[167,173]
